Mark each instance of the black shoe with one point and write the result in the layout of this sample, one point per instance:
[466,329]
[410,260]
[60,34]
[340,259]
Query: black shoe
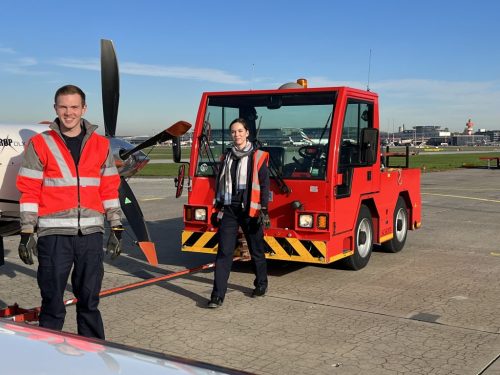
[215,302]
[259,292]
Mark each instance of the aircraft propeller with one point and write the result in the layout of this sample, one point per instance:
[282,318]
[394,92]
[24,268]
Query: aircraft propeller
[110,82]
[110,101]
[174,131]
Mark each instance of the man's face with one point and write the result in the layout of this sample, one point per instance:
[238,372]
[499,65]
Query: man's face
[70,110]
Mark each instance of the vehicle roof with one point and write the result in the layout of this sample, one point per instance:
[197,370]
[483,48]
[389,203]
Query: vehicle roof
[32,350]
[295,90]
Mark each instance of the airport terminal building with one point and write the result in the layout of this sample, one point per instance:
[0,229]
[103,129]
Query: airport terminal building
[436,136]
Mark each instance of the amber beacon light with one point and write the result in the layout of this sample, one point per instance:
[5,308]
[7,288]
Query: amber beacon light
[302,82]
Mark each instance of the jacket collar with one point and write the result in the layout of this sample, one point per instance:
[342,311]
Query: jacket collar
[89,128]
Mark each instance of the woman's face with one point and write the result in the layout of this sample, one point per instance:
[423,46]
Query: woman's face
[239,135]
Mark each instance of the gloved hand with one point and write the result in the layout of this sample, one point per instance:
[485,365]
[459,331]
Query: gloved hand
[27,247]
[214,220]
[264,218]
[114,246]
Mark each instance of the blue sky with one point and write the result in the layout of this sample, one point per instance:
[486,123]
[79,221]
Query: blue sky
[433,62]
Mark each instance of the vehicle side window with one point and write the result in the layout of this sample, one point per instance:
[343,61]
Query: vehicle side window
[358,116]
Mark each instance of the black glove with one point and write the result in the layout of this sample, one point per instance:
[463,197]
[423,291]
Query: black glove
[114,246]
[264,218]
[214,220]
[27,247]
[216,217]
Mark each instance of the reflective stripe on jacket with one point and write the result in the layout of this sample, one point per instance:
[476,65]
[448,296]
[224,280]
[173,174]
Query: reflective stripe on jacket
[60,197]
[259,158]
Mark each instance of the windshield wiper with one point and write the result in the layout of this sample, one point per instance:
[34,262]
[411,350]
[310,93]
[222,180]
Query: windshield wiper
[326,127]
[205,144]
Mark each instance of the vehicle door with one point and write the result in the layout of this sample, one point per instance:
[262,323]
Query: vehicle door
[356,173]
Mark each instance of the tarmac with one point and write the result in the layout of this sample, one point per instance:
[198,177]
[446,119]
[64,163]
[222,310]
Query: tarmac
[431,309]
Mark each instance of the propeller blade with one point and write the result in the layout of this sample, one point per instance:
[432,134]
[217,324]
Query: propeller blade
[133,213]
[176,130]
[149,250]
[110,83]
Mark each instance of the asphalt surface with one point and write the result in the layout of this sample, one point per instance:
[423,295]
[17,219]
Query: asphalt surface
[434,308]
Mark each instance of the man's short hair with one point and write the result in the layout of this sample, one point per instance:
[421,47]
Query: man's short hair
[69,90]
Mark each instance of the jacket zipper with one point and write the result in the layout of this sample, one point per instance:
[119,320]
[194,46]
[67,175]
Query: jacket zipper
[77,177]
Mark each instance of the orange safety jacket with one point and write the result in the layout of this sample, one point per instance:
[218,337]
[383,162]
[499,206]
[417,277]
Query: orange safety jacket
[59,197]
[259,158]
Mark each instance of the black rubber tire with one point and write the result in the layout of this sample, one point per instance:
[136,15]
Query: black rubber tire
[400,228]
[363,244]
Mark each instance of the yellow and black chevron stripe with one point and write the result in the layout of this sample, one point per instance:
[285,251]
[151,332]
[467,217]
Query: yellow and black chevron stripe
[278,248]
[200,242]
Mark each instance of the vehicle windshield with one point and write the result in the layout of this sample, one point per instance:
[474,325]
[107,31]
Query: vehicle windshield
[293,127]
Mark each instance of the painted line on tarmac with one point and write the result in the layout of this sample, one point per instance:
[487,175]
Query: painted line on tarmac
[151,199]
[463,197]
[495,254]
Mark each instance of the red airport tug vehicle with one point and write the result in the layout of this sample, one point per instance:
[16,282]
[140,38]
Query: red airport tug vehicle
[333,193]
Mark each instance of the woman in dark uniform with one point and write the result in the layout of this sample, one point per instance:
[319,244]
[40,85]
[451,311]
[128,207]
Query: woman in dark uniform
[242,195]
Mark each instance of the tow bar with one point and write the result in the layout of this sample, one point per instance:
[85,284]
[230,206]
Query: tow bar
[18,314]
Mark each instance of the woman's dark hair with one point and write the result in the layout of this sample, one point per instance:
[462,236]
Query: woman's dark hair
[241,121]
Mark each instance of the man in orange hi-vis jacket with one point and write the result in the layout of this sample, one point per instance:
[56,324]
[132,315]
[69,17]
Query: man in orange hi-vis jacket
[69,183]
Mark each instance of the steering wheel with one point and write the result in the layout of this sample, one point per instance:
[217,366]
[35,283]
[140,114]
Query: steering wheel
[311,151]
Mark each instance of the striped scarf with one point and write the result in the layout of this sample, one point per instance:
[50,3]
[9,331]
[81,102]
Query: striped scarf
[225,182]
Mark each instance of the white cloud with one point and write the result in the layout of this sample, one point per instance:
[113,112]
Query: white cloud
[431,102]
[445,103]
[326,82]
[22,66]
[201,74]
[180,72]
[432,89]
[86,64]
[7,50]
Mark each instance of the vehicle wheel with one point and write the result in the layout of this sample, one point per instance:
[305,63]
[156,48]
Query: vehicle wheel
[400,229]
[363,244]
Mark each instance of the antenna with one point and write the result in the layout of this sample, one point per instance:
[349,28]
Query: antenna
[252,76]
[369,67]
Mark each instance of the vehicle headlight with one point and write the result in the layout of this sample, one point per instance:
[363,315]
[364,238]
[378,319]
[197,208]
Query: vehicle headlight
[306,221]
[200,214]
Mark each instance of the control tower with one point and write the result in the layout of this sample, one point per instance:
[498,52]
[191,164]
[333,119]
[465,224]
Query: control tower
[469,127]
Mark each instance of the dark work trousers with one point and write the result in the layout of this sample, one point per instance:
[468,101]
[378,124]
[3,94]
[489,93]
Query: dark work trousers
[233,218]
[56,255]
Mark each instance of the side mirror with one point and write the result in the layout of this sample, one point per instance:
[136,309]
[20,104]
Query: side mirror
[176,148]
[179,180]
[369,145]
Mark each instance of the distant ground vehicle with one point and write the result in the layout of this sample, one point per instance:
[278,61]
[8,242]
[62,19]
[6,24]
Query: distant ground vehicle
[331,199]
